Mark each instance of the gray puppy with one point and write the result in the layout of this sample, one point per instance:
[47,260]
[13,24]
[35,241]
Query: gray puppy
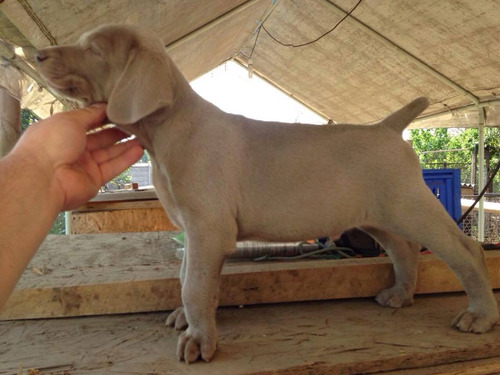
[224,178]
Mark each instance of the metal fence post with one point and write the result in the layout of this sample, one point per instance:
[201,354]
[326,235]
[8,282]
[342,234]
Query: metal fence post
[481,182]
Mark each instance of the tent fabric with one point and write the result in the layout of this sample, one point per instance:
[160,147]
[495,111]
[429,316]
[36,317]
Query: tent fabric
[359,59]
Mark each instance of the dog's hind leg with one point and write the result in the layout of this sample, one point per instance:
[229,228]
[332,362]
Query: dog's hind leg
[419,217]
[404,255]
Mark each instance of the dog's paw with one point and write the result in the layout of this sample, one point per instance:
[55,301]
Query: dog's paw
[192,346]
[470,321]
[177,319]
[394,297]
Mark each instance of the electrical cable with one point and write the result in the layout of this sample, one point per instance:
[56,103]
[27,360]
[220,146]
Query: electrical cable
[262,27]
[325,252]
[318,38]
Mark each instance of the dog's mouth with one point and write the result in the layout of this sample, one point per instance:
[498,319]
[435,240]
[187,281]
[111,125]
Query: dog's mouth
[62,81]
[72,87]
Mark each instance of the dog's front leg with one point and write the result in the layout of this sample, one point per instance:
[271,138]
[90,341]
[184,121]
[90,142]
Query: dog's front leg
[205,254]
[177,319]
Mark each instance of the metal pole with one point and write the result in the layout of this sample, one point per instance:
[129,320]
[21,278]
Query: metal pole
[67,222]
[481,179]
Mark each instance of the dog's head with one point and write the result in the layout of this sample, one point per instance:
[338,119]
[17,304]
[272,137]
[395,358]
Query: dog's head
[126,67]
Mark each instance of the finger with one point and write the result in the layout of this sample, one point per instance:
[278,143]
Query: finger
[105,138]
[113,167]
[105,154]
[88,118]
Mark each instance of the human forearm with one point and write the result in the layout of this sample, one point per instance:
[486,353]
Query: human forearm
[55,166]
[29,206]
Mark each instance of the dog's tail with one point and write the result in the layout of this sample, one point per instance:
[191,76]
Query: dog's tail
[400,119]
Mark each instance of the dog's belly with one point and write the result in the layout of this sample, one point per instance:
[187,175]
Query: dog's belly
[296,223]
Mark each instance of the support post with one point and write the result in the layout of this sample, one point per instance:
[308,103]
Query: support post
[67,222]
[481,181]
[10,121]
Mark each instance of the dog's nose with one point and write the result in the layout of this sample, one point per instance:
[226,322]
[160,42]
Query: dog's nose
[41,56]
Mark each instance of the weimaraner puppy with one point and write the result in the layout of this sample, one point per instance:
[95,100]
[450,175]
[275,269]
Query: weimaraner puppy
[224,178]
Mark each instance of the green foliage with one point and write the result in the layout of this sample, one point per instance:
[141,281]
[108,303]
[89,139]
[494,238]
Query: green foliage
[460,144]
[145,158]
[461,140]
[119,181]
[27,118]
[430,140]
[59,226]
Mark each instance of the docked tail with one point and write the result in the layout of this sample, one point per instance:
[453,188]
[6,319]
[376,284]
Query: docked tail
[400,119]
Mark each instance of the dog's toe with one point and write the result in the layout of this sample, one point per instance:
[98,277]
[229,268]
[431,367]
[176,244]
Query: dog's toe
[394,297]
[192,347]
[469,321]
[177,319]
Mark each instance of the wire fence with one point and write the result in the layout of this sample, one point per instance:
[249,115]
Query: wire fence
[491,226]
[470,223]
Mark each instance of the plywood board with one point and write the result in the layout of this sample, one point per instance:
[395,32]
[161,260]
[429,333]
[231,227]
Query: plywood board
[122,217]
[314,338]
[487,366]
[133,272]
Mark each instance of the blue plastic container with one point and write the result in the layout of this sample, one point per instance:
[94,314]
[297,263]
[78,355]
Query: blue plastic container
[445,184]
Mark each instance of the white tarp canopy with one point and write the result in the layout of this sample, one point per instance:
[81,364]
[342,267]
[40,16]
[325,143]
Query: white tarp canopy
[385,53]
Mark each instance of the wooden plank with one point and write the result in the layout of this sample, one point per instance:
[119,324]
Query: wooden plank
[475,370]
[132,272]
[123,195]
[489,207]
[488,366]
[121,219]
[315,338]
[120,205]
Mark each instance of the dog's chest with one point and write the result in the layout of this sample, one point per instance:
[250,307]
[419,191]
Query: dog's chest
[165,195]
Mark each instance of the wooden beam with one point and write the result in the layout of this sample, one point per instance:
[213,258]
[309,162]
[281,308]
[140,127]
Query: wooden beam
[132,272]
[28,24]
[10,123]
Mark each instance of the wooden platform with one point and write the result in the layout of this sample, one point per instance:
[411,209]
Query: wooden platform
[314,338]
[136,272]
[83,275]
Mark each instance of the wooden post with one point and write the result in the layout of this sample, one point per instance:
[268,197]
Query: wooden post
[10,121]
[10,94]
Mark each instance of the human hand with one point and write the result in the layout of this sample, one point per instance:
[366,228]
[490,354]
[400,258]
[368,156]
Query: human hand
[77,163]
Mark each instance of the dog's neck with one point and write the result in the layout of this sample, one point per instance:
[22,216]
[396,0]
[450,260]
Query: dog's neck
[145,129]
[175,122]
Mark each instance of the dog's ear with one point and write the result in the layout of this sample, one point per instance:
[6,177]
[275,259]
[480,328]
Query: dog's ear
[144,87]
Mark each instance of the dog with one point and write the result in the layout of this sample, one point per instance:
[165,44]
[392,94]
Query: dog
[224,178]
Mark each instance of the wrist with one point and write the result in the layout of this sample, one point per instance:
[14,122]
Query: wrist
[32,171]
